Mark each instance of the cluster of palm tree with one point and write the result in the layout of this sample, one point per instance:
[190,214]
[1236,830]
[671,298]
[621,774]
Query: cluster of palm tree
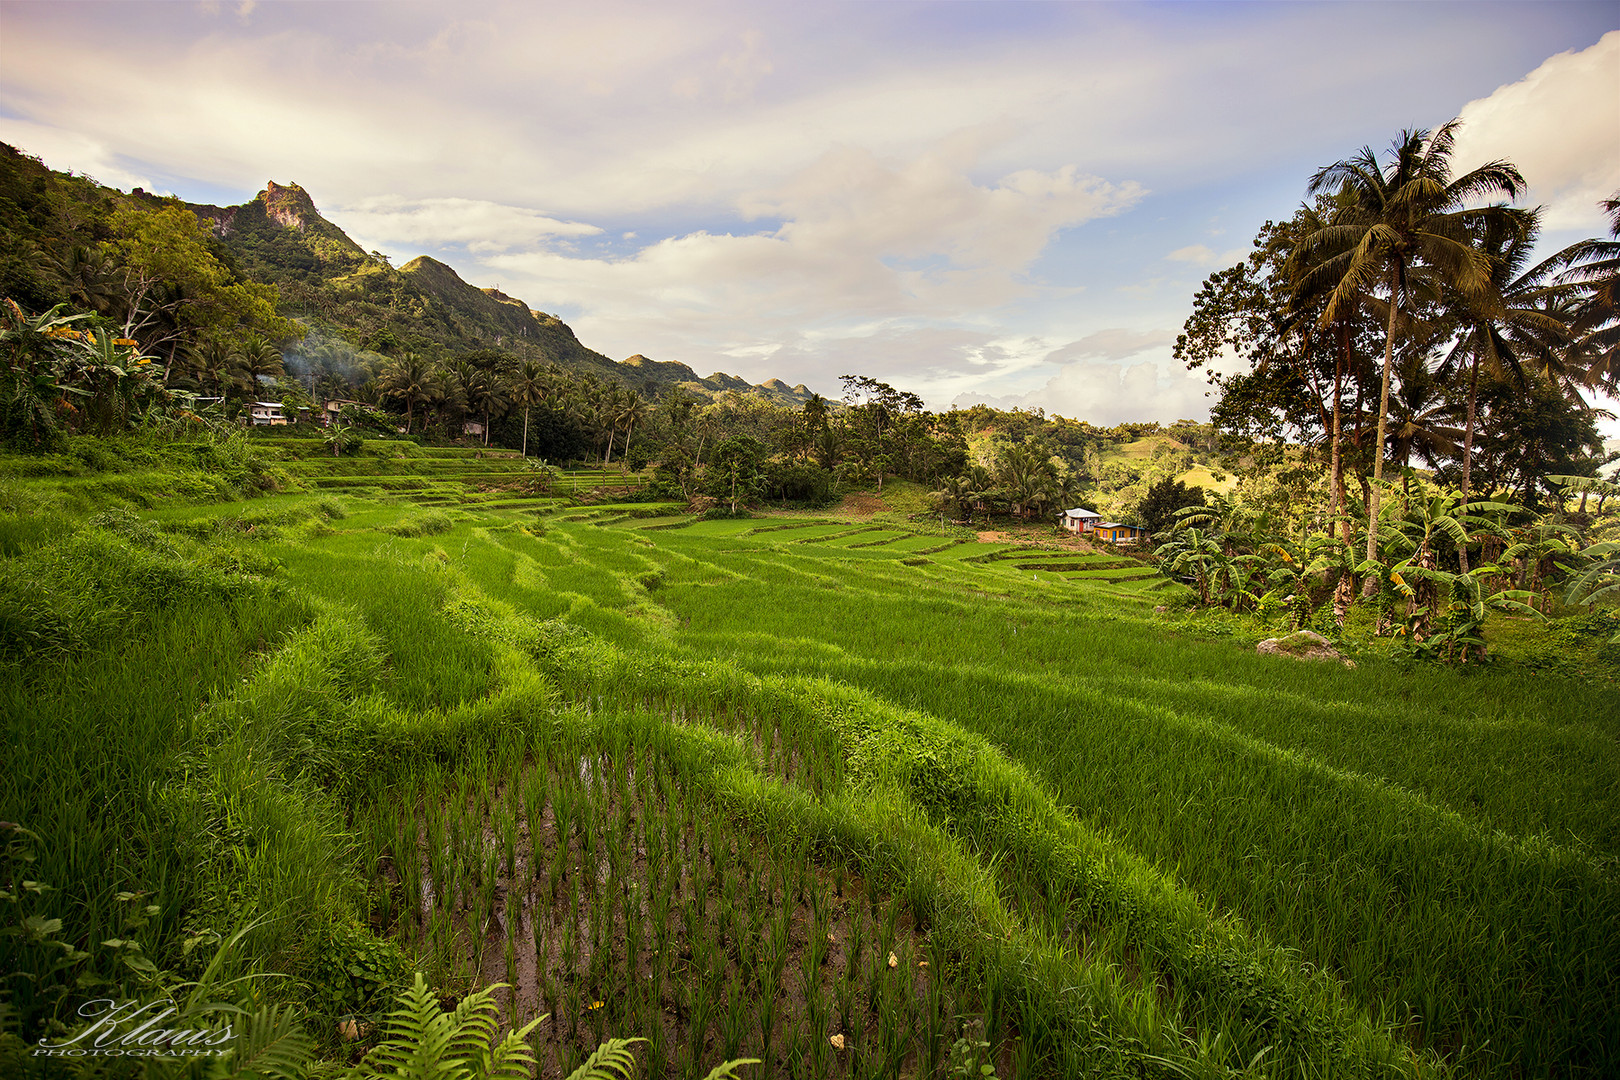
[1237,557]
[1404,238]
[1479,338]
[486,386]
[227,369]
[1026,480]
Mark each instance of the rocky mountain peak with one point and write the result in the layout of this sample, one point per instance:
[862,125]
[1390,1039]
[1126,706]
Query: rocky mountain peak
[288,205]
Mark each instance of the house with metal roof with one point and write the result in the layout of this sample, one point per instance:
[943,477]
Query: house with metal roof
[267,412]
[1080,519]
[1116,533]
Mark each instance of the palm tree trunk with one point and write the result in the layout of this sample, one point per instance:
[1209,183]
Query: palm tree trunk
[525,431]
[1344,593]
[1468,458]
[1370,586]
[1338,436]
[1421,606]
[609,459]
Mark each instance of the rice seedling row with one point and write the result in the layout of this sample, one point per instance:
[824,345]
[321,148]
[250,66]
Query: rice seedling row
[603,889]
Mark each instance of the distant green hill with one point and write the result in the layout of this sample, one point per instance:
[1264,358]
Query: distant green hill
[322,278]
[329,280]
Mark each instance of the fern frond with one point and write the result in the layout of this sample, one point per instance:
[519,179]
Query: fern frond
[728,1071]
[612,1061]
[271,1047]
[417,1040]
[511,1058]
[475,1027]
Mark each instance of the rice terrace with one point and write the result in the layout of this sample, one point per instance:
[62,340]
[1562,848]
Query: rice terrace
[394,686]
[852,799]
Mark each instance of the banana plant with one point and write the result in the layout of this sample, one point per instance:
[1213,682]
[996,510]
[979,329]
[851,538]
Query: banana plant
[1598,579]
[34,353]
[1586,486]
[1336,559]
[1546,547]
[1226,518]
[1458,635]
[114,373]
[1300,565]
[1192,552]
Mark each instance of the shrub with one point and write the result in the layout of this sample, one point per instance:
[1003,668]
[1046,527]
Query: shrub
[430,523]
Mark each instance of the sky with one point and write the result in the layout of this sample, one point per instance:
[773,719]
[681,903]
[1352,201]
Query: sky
[1005,202]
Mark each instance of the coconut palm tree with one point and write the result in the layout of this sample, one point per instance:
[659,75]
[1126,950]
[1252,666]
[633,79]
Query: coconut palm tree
[957,493]
[407,379]
[93,280]
[256,361]
[608,404]
[632,410]
[1517,322]
[212,363]
[447,397]
[1392,220]
[1026,472]
[529,388]
[1422,419]
[487,395]
[1595,266]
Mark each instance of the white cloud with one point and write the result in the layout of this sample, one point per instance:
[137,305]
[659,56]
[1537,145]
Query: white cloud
[742,70]
[1115,343]
[867,249]
[851,204]
[1106,393]
[61,149]
[1202,255]
[1560,125]
[394,222]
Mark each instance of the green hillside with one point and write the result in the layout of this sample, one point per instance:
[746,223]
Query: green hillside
[256,267]
[326,279]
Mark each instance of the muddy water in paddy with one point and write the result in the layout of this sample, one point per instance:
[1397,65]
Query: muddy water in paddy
[647,914]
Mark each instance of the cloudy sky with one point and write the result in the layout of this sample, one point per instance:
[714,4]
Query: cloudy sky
[1010,202]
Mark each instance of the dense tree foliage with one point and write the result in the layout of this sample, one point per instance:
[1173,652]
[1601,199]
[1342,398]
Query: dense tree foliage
[1157,511]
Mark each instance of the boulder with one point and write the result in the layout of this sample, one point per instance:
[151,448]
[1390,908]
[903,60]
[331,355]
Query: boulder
[1302,645]
[353,1031]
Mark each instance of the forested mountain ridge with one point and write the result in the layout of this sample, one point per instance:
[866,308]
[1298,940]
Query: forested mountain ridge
[262,265]
[281,237]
